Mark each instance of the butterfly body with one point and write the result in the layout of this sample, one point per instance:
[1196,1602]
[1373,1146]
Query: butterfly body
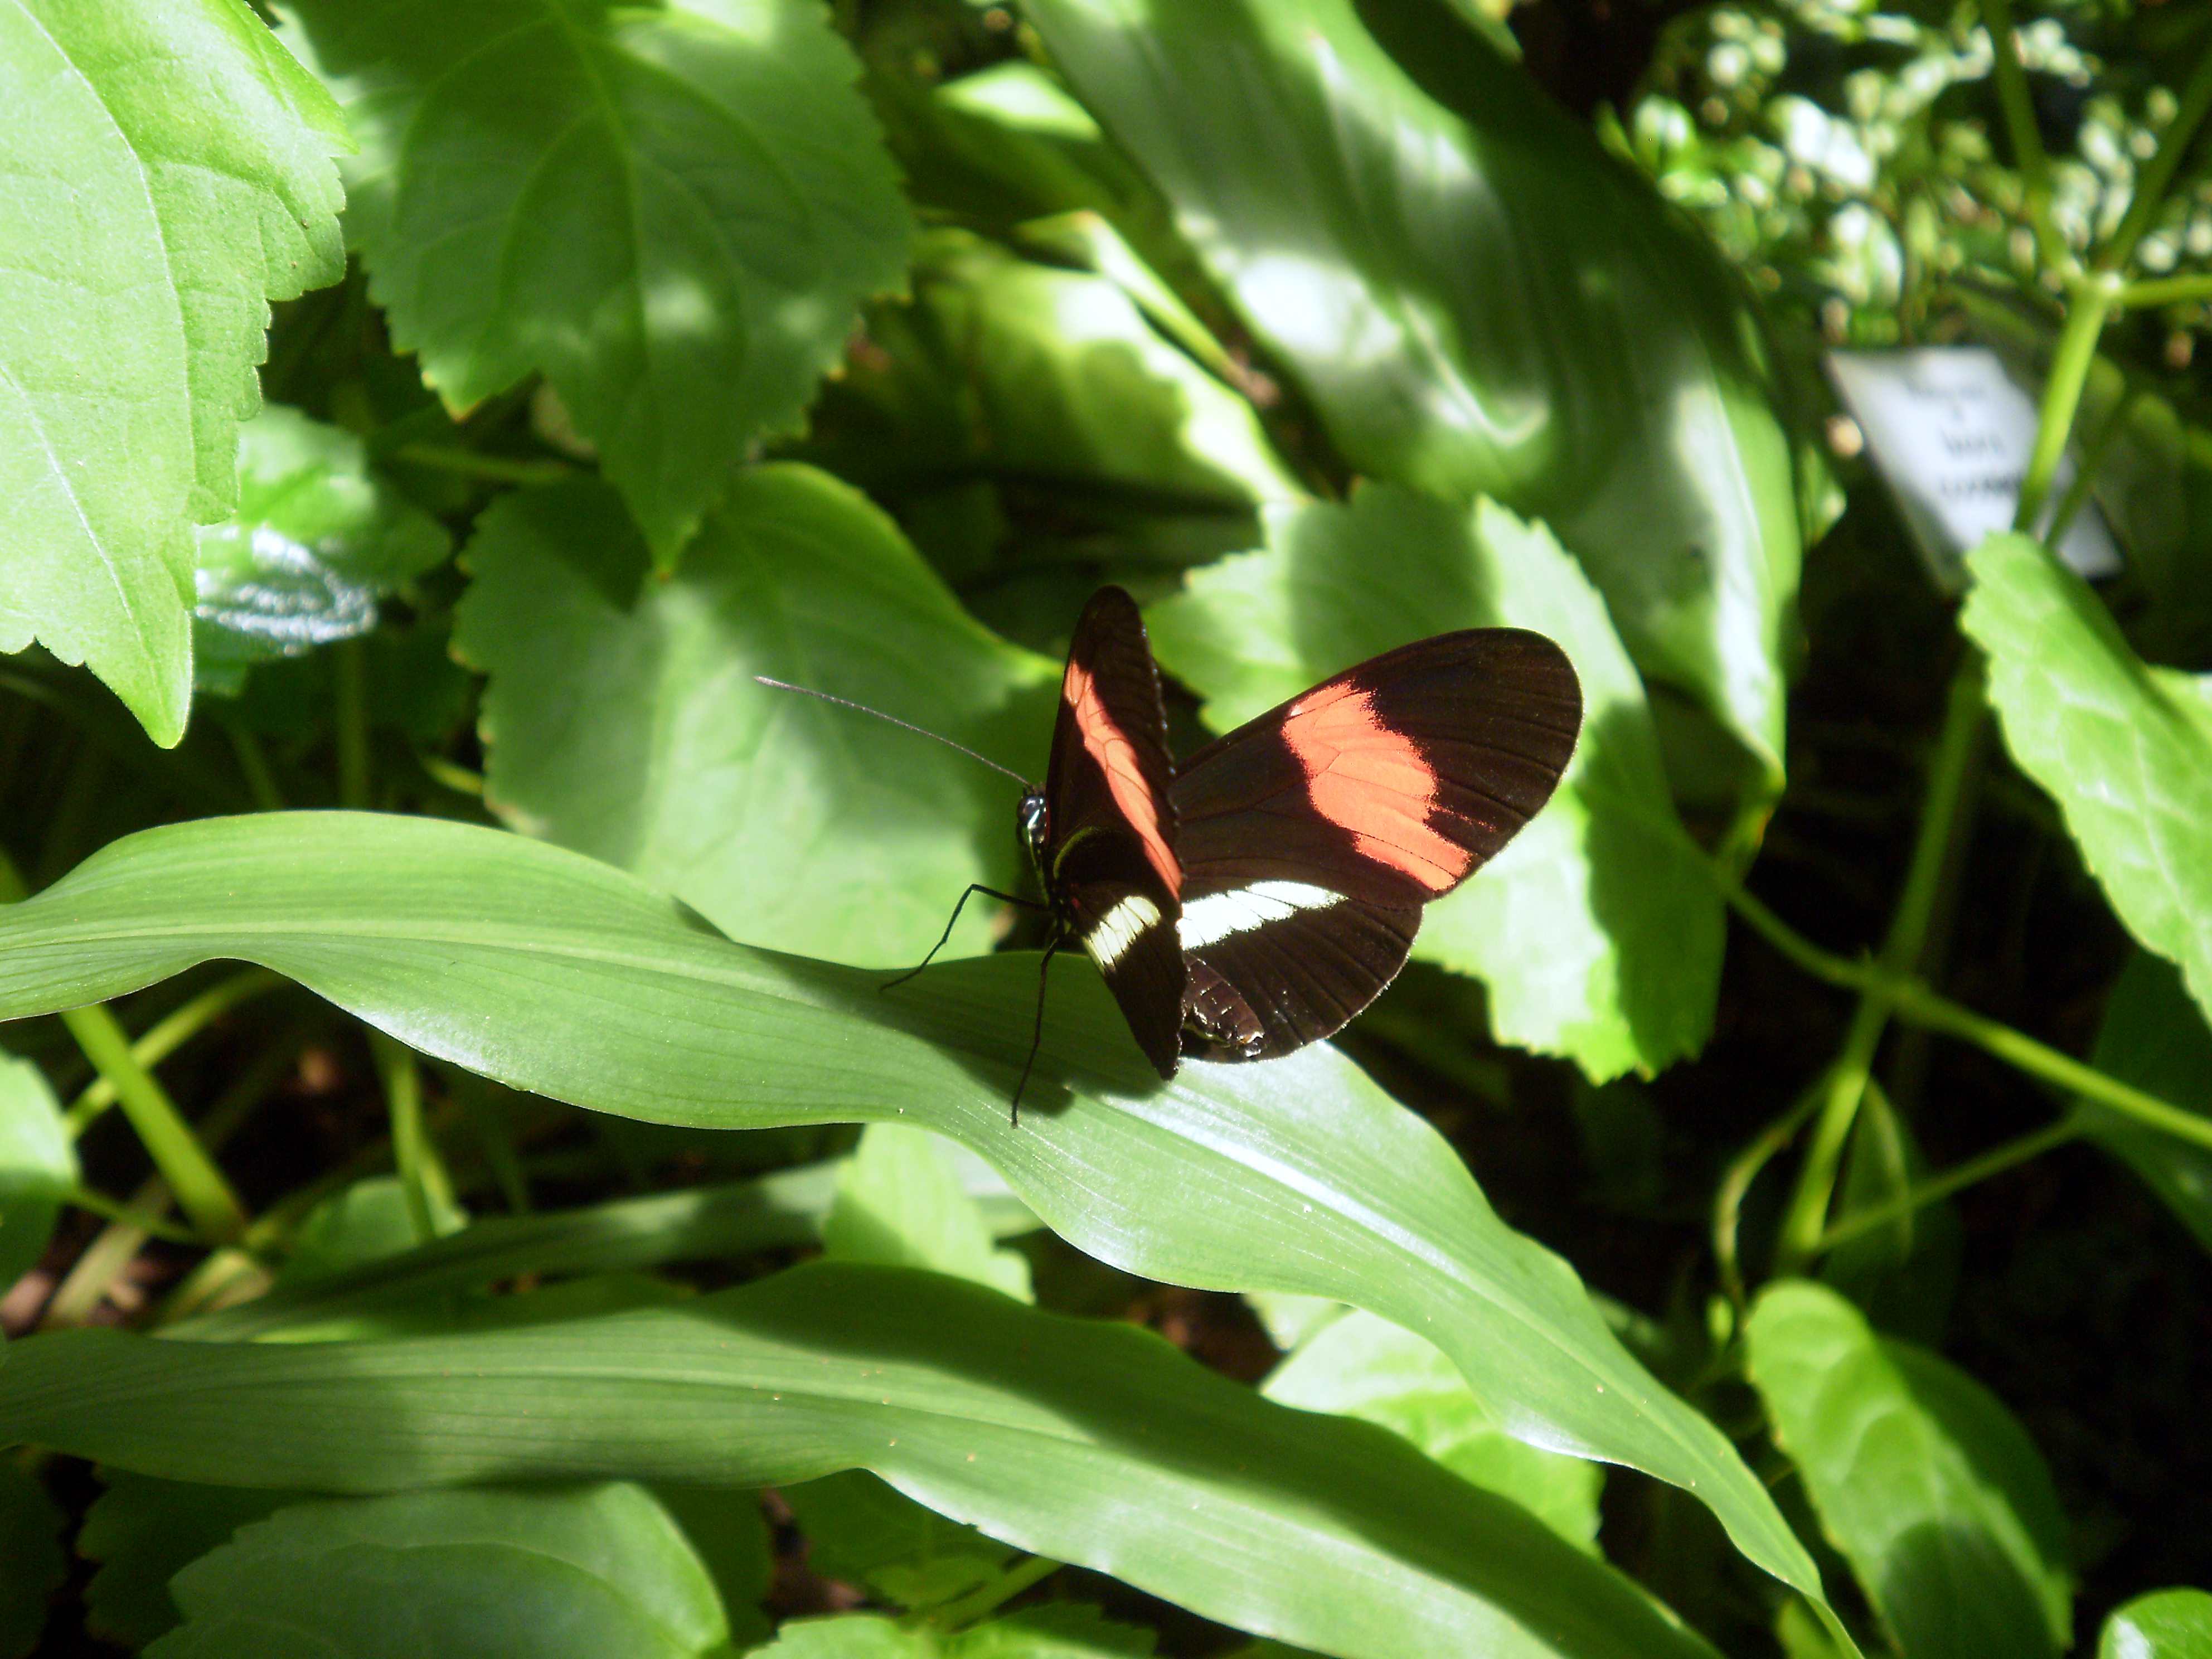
[1254,898]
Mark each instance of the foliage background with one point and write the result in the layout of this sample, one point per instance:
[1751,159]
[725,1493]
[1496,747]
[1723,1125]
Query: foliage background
[1713,1243]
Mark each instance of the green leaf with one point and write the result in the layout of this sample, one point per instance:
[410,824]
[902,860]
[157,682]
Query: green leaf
[38,1167]
[316,541]
[2155,1037]
[865,1533]
[1477,301]
[142,1530]
[366,1221]
[673,214]
[734,1544]
[2171,1624]
[1035,1427]
[900,1204]
[1925,1481]
[1366,1367]
[1902,1274]
[556,974]
[164,174]
[624,720]
[1596,930]
[2124,748]
[1058,1631]
[31,1563]
[583,1573]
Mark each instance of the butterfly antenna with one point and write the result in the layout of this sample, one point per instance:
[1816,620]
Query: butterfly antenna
[1036,1028]
[862,708]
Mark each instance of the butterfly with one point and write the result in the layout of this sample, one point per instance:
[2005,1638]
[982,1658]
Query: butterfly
[1254,898]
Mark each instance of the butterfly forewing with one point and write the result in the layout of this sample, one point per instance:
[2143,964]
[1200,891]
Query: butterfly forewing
[1310,838]
[1108,854]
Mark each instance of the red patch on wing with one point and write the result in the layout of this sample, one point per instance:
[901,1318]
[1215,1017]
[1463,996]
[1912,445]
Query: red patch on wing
[1370,780]
[1117,758]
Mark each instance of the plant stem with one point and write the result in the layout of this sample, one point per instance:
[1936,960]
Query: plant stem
[253,767]
[411,1148]
[989,1597]
[1997,1159]
[492,469]
[2158,171]
[2166,291]
[136,1217]
[163,1038]
[350,669]
[2018,108]
[202,1192]
[1845,1082]
[2091,305]
[1736,1186]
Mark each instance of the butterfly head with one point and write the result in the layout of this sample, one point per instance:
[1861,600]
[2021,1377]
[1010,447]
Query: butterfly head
[1034,819]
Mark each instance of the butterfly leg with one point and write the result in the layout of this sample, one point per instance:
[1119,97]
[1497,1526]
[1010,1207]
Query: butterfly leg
[973,888]
[1036,1027]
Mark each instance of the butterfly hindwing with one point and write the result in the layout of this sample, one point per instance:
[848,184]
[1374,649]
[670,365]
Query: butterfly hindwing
[1108,854]
[1310,838]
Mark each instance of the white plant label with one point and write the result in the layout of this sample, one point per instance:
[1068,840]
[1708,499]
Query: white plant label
[1950,433]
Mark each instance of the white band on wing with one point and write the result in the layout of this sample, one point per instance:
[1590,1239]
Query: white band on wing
[1118,928]
[1209,920]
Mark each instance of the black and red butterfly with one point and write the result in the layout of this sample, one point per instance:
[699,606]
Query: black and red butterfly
[1254,898]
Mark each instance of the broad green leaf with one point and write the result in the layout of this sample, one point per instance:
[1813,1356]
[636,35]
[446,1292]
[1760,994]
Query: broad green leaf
[866,1533]
[31,1563]
[1902,1274]
[2155,1037]
[2124,748]
[38,1167]
[316,541]
[142,1530]
[900,1203]
[1925,1482]
[1027,381]
[165,172]
[1596,930]
[1366,1367]
[732,1538]
[553,974]
[622,718]
[2172,1624]
[575,1574]
[776,1212]
[673,214]
[1035,1427]
[1477,301]
[1062,1629]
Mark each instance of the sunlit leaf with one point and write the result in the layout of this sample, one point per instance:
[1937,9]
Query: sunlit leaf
[565,977]
[1596,930]
[1477,301]
[900,1203]
[1061,1630]
[164,174]
[2172,1624]
[575,1574]
[368,1221]
[38,1166]
[624,720]
[673,214]
[1366,1367]
[316,541]
[1035,1427]
[1925,1482]
[2124,748]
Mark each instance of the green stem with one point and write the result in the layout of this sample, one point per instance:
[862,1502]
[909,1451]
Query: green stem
[2166,291]
[410,1147]
[2091,305]
[1844,1087]
[350,690]
[492,469]
[1736,1186]
[989,1597]
[164,1037]
[132,1216]
[253,767]
[2093,457]
[2150,184]
[202,1192]
[1996,1160]
[2018,108]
